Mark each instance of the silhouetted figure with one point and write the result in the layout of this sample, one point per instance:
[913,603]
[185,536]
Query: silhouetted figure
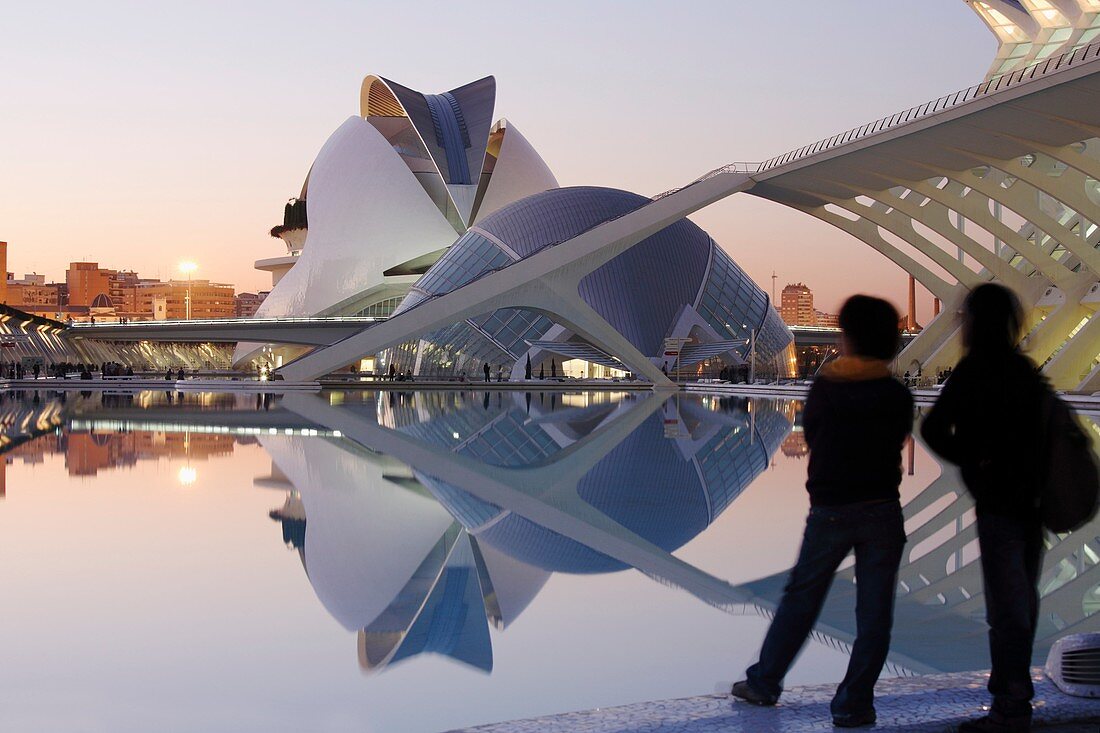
[393,371]
[986,421]
[553,369]
[542,371]
[180,375]
[527,369]
[36,368]
[500,373]
[487,369]
[856,420]
[168,374]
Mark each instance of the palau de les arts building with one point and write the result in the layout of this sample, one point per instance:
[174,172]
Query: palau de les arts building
[425,211]
[422,193]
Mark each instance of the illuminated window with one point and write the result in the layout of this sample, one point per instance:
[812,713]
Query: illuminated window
[1005,29]
[1046,14]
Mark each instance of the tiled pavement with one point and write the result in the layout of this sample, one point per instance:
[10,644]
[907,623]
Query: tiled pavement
[928,704]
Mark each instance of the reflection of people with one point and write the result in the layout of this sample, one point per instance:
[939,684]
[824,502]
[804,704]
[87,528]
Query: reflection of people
[987,420]
[856,419]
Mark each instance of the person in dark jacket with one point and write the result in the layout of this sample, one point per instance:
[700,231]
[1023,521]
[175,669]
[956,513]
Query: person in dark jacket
[986,421]
[856,420]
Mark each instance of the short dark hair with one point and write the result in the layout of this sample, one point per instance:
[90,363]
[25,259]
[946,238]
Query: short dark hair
[871,325]
[992,319]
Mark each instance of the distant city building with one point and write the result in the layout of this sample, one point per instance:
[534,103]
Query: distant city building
[826,320]
[248,303]
[86,280]
[797,308]
[208,300]
[3,269]
[797,305]
[33,295]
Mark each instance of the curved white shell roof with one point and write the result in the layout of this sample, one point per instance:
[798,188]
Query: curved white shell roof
[367,213]
[519,172]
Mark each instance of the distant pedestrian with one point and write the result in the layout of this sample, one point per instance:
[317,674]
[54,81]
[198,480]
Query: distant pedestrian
[393,371]
[527,369]
[36,369]
[542,371]
[487,369]
[500,373]
[856,419]
[987,421]
[553,369]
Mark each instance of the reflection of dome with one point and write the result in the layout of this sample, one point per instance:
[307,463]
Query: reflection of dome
[647,483]
[646,293]
[102,301]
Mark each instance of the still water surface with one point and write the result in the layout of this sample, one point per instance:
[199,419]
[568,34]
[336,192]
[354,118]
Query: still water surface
[422,561]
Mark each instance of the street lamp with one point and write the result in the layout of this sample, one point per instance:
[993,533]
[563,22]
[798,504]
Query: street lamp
[187,268]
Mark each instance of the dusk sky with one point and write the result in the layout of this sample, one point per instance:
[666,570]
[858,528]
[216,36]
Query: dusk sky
[142,134]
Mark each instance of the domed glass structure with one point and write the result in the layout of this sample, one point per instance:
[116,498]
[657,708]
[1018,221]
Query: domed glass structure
[677,283]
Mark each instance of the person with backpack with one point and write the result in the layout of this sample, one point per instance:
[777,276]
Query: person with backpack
[987,421]
[856,420]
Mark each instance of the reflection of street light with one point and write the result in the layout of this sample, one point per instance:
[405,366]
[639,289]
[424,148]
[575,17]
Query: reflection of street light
[187,474]
[187,268]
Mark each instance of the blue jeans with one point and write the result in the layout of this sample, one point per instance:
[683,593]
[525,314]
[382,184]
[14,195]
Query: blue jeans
[876,532]
[1012,556]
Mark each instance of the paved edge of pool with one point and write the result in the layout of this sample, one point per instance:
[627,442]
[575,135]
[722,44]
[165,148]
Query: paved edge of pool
[919,704]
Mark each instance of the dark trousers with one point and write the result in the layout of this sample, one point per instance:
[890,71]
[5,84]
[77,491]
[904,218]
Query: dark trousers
[1012,556]
[876,532]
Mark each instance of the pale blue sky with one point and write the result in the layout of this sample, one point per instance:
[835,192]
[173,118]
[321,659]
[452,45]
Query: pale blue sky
[140,133]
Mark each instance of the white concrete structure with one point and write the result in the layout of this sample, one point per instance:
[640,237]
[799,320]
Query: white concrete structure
[1030,31]
[390,190]
[998,182]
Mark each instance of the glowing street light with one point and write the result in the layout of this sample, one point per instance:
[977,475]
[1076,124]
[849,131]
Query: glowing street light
[187,268]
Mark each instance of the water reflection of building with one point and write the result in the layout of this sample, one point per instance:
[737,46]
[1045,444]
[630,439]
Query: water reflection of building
[87,453]
[939,616]
[31,428]
[418,564]
[794,445]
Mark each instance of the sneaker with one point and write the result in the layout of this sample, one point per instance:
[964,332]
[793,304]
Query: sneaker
[748,693]
[997,723]
[855,720]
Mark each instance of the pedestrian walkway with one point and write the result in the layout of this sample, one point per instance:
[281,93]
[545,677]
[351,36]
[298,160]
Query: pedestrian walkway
[926,704]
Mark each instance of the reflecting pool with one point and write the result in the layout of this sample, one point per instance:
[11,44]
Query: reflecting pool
[420,561]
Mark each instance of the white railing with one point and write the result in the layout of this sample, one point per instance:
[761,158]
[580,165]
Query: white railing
[996,84]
